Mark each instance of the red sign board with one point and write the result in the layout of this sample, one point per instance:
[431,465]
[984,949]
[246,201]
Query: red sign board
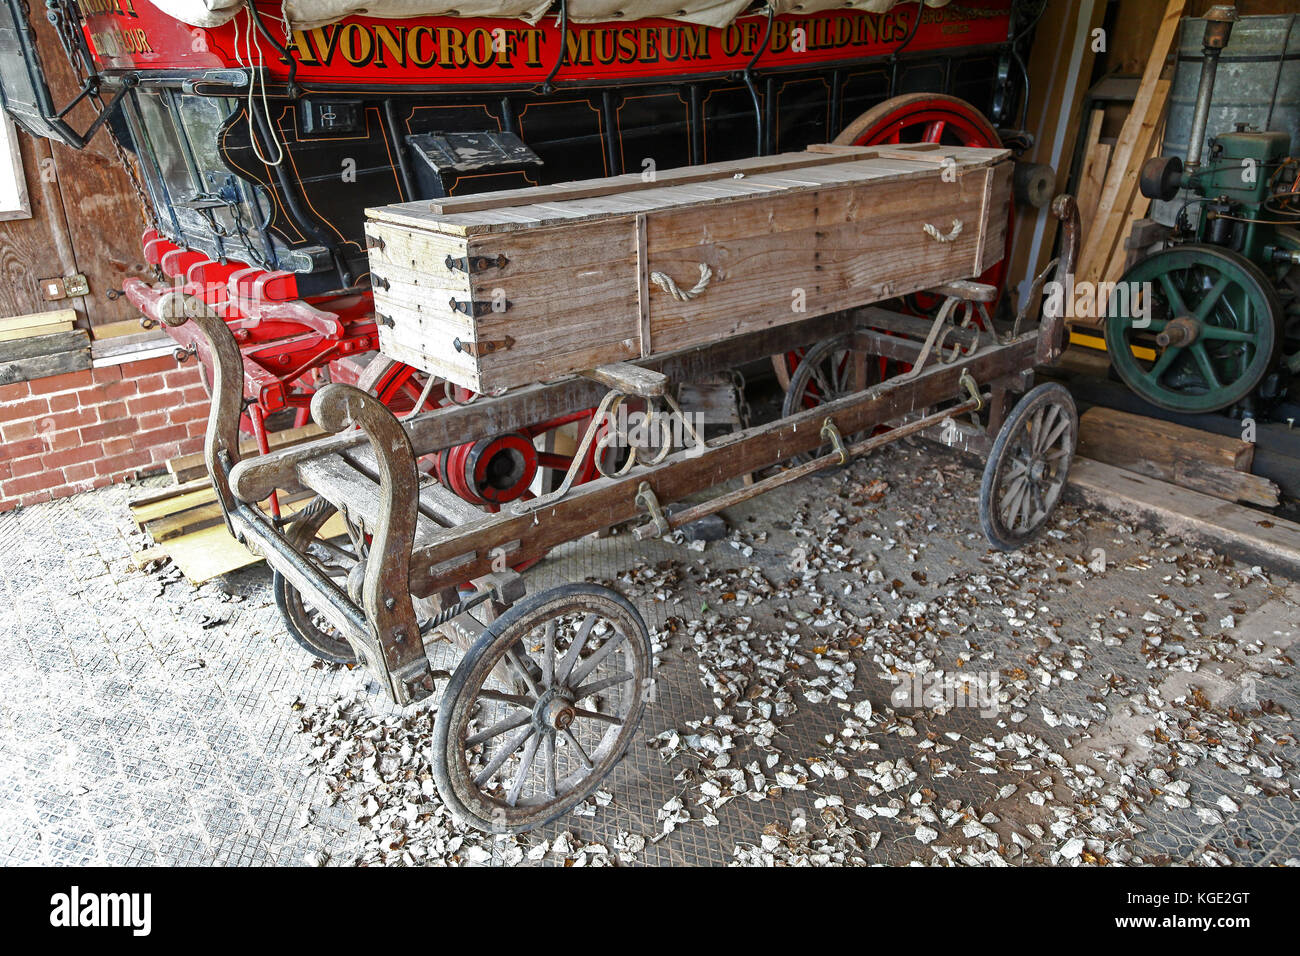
[133,34]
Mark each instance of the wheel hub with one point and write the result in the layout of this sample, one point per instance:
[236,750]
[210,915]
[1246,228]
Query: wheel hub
[1180,331]
[554,711]
[1037,469]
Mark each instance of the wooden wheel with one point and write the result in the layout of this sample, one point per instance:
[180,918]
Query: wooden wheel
[827,371]
[542,707]
[1028,467]
[334,554]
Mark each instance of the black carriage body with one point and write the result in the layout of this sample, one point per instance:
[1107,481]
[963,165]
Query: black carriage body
[347,149]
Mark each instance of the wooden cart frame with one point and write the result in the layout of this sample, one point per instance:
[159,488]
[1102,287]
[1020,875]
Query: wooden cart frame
[507,756]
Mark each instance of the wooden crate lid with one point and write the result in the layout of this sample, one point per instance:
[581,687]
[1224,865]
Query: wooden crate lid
[570,203]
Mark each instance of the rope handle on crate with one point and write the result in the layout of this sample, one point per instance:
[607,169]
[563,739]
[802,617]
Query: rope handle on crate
[665,282]
[933,231]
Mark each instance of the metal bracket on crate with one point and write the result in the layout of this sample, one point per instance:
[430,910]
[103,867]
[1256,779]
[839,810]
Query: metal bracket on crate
[482,346]
[477,309]
[473,265]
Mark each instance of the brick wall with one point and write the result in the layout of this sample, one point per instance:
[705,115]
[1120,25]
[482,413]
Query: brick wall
[70,433]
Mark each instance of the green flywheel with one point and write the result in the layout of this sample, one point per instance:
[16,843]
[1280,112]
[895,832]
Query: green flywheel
[1212,325]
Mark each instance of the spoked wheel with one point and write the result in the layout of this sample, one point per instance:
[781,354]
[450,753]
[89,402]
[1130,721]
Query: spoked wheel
[828,371]
[400,386]
[542,707]
[1028,466]
[930,118]
[1211,318]
[334,554]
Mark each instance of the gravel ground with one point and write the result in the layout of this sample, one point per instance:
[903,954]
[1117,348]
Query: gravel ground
[850,676]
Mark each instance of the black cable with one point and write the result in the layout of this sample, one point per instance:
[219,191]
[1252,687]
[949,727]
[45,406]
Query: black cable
[283,50]
[748,77]
[547,88]
[1024,70]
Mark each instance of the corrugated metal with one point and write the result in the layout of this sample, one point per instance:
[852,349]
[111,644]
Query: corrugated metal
[1258,84]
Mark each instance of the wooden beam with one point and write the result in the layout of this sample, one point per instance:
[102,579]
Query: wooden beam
[1233,529]
[1131,148]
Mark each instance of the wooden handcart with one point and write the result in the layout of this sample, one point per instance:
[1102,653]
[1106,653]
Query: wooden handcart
[551,687]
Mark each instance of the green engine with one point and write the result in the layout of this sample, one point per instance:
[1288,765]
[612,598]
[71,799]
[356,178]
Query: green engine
[1212,322]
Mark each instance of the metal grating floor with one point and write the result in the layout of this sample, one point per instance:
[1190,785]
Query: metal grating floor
[143,721]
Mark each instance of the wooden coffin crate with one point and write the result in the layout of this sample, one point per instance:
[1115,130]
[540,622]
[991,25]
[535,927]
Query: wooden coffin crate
[503,289]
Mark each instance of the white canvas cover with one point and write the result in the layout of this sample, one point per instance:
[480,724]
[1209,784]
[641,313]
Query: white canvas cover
[305,14]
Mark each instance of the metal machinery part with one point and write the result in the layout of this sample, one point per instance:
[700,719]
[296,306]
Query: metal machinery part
[1201,326]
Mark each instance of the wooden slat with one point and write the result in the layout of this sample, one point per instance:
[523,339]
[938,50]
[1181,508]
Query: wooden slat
[34,321]
[186,468]
[1093,177]
[40,356]
[1131,147]
[630,182]
[1236,529]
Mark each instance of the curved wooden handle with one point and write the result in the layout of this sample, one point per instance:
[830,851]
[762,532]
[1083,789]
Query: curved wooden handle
[386,591]
[217,350]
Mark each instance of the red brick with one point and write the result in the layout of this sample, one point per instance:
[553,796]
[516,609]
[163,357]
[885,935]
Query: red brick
[57,441]
[193,395]
[17,411]
[74,419]
[155,420]
[106,374]
[118,467]
[112,412]
[35,465]
[160,436]
[82,472]
[19,487]
[122,426]
[181,377]
[197,429]
[4,469]
[100,481]
[74,456]
[149,367]
[63,402]
[37,498]
[21,449]
[190,413]
[17,431]
[13,392]
[149,403]
[118,446]
[66,382]
[9,505]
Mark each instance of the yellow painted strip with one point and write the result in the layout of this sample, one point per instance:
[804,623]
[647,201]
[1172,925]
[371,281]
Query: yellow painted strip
[1096,342]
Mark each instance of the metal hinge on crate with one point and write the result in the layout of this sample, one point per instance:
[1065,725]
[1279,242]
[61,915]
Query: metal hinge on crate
[473,265]
[477,309]
[483,346]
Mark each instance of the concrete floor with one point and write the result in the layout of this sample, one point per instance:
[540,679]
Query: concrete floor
[1145,716]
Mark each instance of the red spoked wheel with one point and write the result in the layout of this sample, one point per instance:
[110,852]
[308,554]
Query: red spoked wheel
[931,118]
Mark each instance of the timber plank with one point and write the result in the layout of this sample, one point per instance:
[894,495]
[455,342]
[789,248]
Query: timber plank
[1235,529]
